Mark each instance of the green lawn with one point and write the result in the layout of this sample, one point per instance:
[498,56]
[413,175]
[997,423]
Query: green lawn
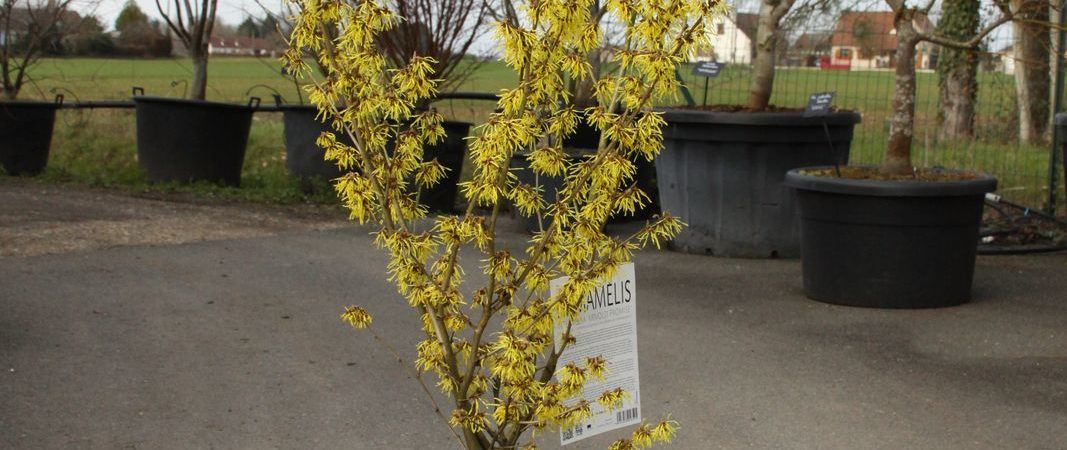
[99,146]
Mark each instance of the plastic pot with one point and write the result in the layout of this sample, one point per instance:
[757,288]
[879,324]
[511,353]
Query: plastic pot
[550,186]
[26,135]
[722,172]
[303,157]
[587,137]
[889,244]
[450,152]
[192,140]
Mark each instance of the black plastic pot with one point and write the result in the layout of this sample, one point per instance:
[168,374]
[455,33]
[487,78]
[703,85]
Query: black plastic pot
[722,172]
[192,140]
[306,160]
[889,244]
[303,157]
[450,152]
[549,188]
[26,135]
[588,138]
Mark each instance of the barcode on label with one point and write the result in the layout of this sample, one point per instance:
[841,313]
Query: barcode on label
[626,415]
[571,433]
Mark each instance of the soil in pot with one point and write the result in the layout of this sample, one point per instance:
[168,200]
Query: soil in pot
[721,173]
[889,243]
[26,136]
[191,140]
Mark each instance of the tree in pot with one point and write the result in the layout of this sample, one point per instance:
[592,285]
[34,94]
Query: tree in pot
[493,348]
[722,167]
[894,236]
[183,140]
[27,29]
[444,30]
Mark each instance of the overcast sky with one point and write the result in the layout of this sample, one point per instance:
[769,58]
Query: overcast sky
[230,11]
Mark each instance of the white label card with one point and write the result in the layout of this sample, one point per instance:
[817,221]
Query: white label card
[608,328]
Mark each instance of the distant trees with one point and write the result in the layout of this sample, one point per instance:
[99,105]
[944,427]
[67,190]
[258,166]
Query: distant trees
[139,36]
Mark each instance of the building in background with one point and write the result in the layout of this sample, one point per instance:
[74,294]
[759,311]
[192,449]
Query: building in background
[733,39]
[241,46]
[865,40]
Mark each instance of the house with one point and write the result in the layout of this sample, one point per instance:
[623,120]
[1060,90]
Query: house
[1004,60]
[808,49]
[732,39]
[865,40]
[240,46]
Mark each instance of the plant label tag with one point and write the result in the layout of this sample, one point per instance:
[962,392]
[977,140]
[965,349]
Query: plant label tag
[819,104]
[608,329]
[708,69]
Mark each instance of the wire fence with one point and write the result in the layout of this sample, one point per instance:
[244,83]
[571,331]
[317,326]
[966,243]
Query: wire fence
[856,61]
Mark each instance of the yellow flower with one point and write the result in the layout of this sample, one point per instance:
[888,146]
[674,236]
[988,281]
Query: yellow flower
[356,316]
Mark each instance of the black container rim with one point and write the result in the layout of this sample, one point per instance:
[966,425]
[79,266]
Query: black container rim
[188,102]
[30,104]
[886,188]
[775,118]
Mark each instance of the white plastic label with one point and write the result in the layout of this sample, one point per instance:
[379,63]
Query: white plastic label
[608,329]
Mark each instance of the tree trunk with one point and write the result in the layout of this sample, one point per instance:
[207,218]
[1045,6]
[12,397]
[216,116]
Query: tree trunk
[902,123]
[1031,47]
[198,89]
[759,91]
[957,70]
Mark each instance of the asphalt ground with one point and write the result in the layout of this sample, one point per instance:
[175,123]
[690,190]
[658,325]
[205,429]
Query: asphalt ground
[223,333]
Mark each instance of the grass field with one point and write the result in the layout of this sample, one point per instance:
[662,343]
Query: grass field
[98,146]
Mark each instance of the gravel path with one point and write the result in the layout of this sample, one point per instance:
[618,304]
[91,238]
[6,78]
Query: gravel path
[39,219]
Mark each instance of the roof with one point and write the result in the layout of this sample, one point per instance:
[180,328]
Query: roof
[872,29]
[812,41]
[748,23]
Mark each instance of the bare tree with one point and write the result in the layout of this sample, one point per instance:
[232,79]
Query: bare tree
[902,121]
[1031,47]
[27,30]
[957,70]
[193,25]
[442,29]
[771,13]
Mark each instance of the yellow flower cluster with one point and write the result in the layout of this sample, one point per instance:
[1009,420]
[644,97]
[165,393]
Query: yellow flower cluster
[504,381]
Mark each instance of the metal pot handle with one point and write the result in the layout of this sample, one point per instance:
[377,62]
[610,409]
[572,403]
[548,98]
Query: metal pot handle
[59,99]
[137,90]
[253,102]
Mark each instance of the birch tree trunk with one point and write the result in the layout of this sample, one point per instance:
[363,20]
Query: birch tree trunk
[198,88]
[1031,47]
[770,18]
[902,122]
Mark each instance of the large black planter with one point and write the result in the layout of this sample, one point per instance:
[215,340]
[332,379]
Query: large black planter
[587,137]
[722,172]
[306,160]
[303,157]
[889,244]
[450,152]
[550,186]
[191,140]
[26,136]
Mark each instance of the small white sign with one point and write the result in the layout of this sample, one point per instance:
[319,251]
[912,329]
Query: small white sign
[608,329]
